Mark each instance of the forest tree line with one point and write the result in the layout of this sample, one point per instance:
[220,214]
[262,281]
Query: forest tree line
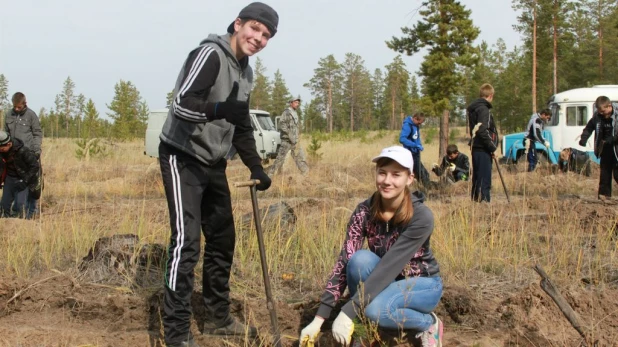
[565,45]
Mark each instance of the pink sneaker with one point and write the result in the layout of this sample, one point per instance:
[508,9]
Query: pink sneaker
[432,337]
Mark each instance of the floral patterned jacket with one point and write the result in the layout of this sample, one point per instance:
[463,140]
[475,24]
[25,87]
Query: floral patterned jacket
[404,251]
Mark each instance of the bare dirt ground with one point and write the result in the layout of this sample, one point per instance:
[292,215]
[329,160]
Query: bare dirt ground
[75,307]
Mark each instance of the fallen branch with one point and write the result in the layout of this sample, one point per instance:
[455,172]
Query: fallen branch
[563,305]
[19,293]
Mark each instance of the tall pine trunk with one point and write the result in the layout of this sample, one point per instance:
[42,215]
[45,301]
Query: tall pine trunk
[555,24]
[600,42]
[352,107]
[534,58]
[392,109]
[443,134]
[330,107]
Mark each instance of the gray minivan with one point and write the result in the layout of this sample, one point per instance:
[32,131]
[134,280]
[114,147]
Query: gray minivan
[267,138]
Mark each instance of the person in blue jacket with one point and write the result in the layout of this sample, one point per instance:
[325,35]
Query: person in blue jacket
[410,138]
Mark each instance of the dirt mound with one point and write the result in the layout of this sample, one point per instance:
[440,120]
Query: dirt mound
[56,308]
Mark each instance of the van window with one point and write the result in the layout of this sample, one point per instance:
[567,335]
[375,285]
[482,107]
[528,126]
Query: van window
[555,115]
[577,115]
[265,122]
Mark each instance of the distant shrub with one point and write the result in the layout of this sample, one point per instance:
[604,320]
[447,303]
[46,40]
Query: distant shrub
[313,148]
[90,148]
[430,134]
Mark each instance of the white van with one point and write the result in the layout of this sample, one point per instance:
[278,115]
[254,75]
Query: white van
[570,112]
[267,139]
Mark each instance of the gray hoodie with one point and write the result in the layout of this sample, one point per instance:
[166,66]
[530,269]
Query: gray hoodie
[187,128]
[404,251]
[26,127]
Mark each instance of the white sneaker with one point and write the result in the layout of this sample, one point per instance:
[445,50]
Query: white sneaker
[432,337]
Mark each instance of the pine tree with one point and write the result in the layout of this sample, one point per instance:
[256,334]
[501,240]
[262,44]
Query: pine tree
[396,95]
[447,31]
[314,119]
[377,90]
[280,95]
[325,86]
[66,108]
[129,112]
[356,91]
[91,123]
[262,89]
[79,115]
[415,95]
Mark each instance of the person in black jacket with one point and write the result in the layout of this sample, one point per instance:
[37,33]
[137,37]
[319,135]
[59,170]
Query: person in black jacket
[20,171]
[209,114]
[455,165]
[483,142]
[603,123]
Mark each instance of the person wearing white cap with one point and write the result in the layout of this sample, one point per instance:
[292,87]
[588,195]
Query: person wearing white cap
[396,282]
[288,127]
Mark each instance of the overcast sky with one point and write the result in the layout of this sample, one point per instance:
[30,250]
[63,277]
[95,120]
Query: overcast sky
[98,43]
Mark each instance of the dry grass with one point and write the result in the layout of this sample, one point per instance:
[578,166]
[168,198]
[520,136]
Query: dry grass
[493,245]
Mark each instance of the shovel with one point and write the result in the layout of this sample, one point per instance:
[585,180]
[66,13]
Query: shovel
[258,227]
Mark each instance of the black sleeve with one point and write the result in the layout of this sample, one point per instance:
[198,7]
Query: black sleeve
[482,133]
[394,261]
[32,164]
[200,74]
[589,128]
[464,164]
[244,142]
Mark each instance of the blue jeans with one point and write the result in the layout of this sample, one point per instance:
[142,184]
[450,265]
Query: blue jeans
[14,202]
[532,158]
[405,304]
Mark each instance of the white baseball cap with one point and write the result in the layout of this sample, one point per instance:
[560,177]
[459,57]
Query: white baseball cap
[398,154]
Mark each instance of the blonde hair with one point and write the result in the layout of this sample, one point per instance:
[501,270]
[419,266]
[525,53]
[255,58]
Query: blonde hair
[404,212]
[486,90]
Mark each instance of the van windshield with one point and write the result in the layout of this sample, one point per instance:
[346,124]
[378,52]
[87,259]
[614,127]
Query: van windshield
[555,114]
[265,122]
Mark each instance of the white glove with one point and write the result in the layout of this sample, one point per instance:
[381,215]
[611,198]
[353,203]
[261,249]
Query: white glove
[546,144]
[434,165]
[452,167]
[343,327]
[311,331]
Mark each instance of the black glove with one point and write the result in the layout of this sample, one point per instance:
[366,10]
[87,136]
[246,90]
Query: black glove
[20,185]
[231,109]
[582,143]
[257,173]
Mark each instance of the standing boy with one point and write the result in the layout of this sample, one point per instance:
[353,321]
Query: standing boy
[484,141]
[534,134]
[603,123]
[209,114]
[410,138]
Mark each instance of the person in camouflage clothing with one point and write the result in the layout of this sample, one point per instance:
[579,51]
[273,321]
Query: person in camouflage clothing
[288,127]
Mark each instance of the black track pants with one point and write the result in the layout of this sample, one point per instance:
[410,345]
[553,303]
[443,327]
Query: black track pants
[198,199]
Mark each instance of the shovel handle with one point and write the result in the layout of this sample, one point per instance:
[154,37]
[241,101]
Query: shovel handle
[248,183]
